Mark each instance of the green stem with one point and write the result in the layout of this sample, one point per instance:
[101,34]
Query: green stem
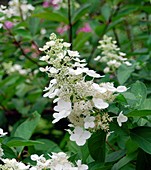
[70,23]
[17,43]
[129,35]
[20,11]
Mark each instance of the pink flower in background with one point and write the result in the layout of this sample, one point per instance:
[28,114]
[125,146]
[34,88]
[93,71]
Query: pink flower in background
[85,28]
[8,24]
[62,29]
[54,3]
[46,4]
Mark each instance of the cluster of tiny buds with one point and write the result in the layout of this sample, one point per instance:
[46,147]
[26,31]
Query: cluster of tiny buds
[15,8]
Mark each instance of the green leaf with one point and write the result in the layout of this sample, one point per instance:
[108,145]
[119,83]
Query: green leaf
[80,152]
[145,8]
[99,166]
[80,13]
[140,113]
[26,129]
[39,105]
[146,104]
[106,11]
[80,40]
[143,160]
[52,16]
[114,156]
[34,24]
[23,33]
[136,95]
[46,146]
[99,30]
[8,152]
[125,160]
[14,142]
[131,146]
[123,73]
[126,10]
[96,145]
[140,91]
[142,136]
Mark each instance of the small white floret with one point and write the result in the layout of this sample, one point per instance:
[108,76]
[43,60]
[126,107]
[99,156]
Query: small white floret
[73,53]
[99,103]
[2,133]
[79,135]
[121,89]
[121,119]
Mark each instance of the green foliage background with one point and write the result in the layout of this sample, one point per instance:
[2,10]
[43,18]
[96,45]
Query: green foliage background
[27,116]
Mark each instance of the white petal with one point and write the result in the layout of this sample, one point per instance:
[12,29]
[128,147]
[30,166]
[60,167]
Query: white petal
[52,95]
[127,63]
[60,115]
[34,157]
[98,88]
[99,103]
[86,134]
[80,142]
[121,118]
[73,53]
[65,44]
[121,89]
[92,73]
[56,100]
[53,70]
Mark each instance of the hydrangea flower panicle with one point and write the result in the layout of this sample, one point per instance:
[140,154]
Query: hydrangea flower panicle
[111,55]
[80,101]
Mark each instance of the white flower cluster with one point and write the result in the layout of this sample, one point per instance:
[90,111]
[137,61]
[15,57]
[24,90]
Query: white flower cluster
[10,68]
[58,161]
[1,135]
[81,101]
[111,55]
[11,164]
[15,8]
[1,151]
